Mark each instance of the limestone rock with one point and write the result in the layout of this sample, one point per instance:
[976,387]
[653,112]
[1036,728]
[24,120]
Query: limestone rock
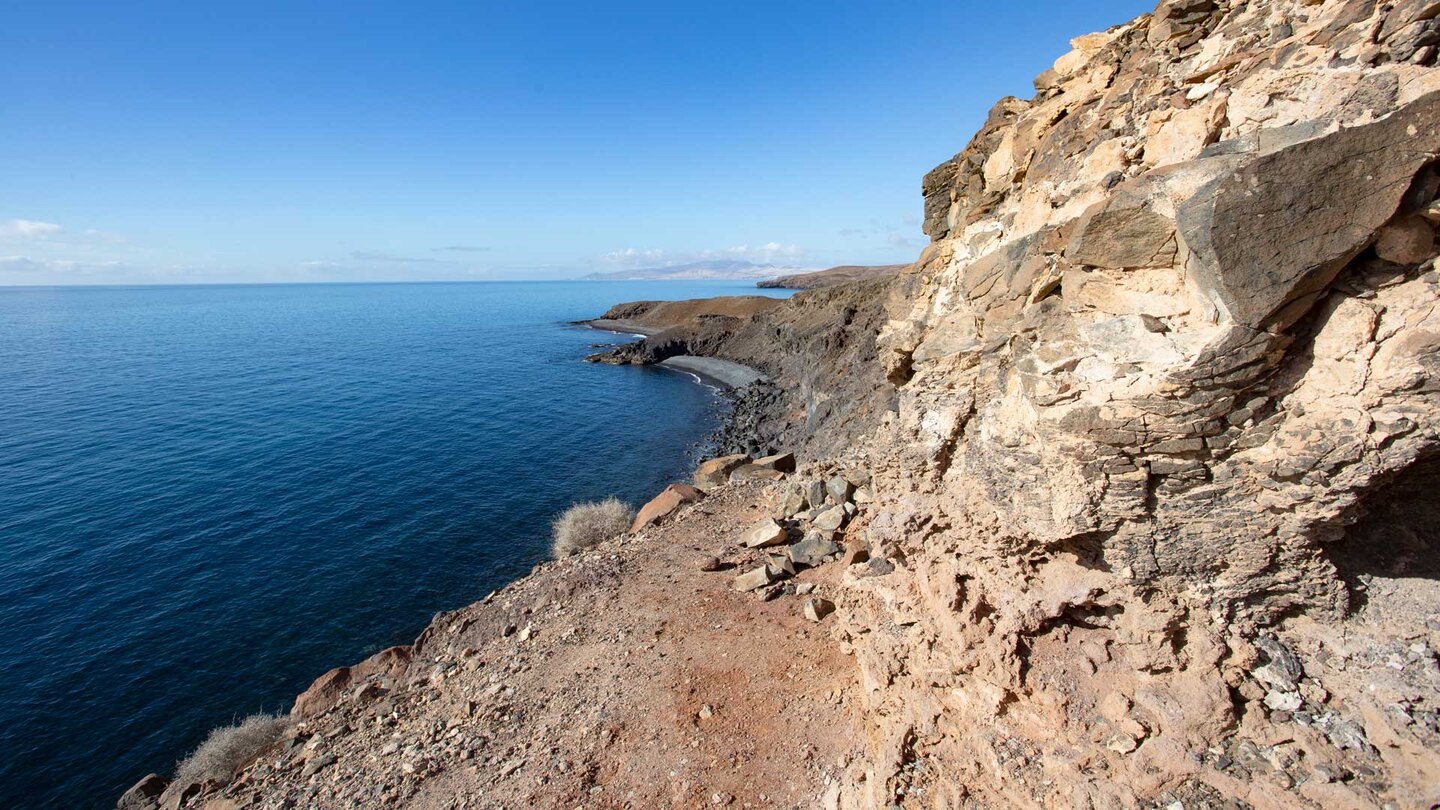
[839,489]
[716,471]
[780,566]
[780,462]
[755,472]
[763,534]
[665,504]
[817,609]
[755,578]
[1151,364]
[830,520]
[1123,234]
[794,501]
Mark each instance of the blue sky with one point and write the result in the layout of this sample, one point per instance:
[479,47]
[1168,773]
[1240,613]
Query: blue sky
[208,142]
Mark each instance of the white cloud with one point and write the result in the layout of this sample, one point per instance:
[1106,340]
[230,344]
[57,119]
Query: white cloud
[635,257]
[33,270]
[28,229]
[767,253]
[900,240]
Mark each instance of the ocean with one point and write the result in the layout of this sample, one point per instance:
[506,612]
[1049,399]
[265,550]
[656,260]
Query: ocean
[210,495]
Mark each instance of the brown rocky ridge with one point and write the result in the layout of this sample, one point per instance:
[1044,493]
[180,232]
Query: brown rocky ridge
[657,317]
[830,276]
[1123,495]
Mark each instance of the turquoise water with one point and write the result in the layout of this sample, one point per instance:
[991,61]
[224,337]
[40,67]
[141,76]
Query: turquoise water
[210,495]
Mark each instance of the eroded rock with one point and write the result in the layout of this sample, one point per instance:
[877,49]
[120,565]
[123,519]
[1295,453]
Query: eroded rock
[716,471]
[763,534]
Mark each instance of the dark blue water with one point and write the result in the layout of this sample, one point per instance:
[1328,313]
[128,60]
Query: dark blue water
[210,495]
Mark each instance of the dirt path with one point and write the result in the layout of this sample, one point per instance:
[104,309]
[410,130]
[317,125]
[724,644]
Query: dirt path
[622,678]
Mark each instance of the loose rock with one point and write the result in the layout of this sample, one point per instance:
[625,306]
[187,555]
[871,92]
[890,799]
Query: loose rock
[817,608]
[664,504]
[812,550]
[750,580]
[763,534]
[716,471]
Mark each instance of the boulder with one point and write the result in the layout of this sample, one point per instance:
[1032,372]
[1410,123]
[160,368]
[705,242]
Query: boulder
[143,795]
[763,534]
[817,608]
[323,693]
[794,501]
[177,795]
[716,471]
[1407,240]
[856,551]
[1267,235]
[708,563]
[750,580]
[754,472]
[328,689]
[831,519]
[815,493]
[812,550]
[780,566]
[839,489]
[664,504]
[781,462]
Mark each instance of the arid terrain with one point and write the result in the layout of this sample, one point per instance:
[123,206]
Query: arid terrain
[831,276]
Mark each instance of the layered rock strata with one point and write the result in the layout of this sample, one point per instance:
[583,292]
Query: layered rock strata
[1173,338]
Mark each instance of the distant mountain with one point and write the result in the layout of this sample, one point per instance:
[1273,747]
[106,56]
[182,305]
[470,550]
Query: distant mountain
[832,276]
[719,269]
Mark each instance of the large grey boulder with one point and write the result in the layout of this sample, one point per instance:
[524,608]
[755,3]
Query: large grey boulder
[812,550]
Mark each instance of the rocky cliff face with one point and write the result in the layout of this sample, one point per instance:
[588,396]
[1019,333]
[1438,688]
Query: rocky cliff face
[819,346]
[1168,360]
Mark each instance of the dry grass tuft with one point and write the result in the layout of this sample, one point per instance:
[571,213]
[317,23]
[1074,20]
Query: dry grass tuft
[230,747]
[586,524]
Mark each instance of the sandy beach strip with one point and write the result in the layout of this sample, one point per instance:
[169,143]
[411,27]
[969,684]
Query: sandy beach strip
[733,375]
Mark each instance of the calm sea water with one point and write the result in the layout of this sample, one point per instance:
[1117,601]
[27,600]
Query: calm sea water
[210,495]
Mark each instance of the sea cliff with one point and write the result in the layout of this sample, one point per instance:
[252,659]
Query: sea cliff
[1120,496]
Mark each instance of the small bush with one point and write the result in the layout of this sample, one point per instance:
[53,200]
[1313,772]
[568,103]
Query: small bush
[230,747]
[585,524]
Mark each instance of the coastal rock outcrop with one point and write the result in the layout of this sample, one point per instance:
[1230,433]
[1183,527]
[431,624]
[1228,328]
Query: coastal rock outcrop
[831,276]
[825,385]
[1173,340]
[658,317]
[665,504]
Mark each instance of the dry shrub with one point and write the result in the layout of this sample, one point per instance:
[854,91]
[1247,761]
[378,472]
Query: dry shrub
[586,524]
[230,747]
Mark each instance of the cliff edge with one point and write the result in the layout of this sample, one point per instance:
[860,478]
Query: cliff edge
[1166,387]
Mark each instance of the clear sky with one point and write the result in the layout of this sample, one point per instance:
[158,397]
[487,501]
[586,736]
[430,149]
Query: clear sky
[255,141]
